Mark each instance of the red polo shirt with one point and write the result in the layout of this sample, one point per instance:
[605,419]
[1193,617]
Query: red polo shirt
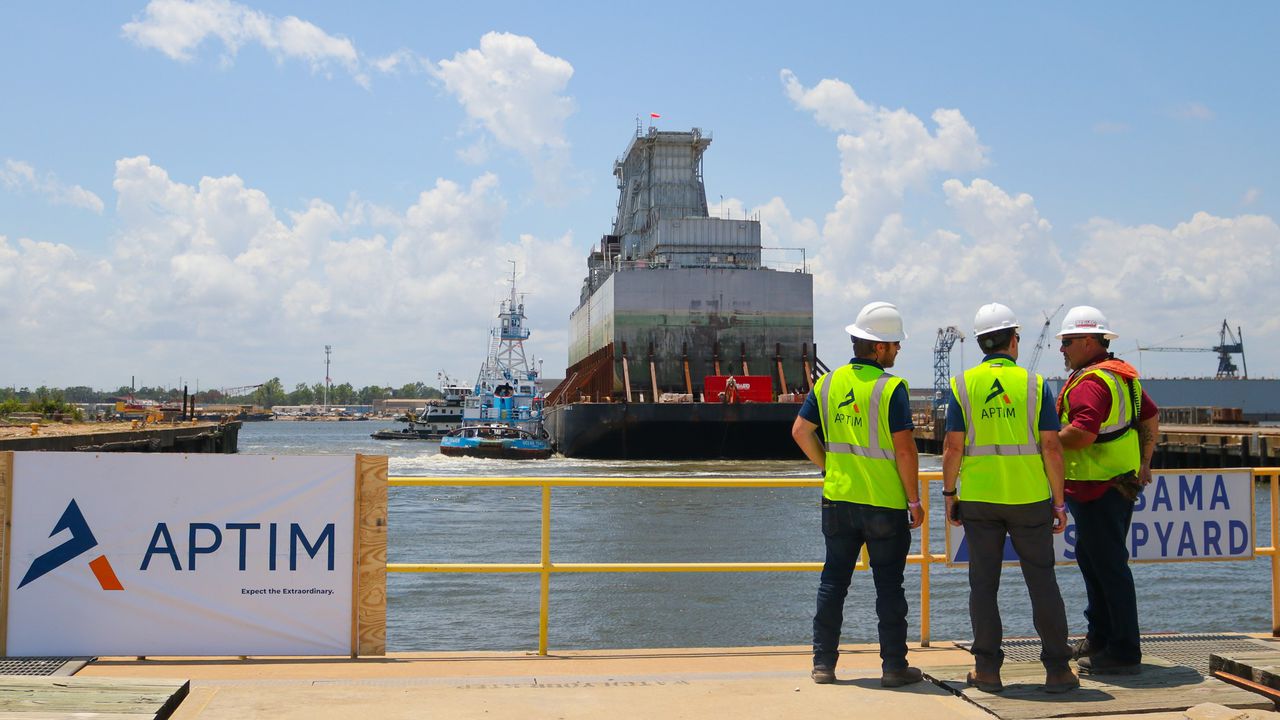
[1090,402]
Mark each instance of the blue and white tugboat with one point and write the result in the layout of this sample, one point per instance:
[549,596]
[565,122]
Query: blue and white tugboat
[502,417]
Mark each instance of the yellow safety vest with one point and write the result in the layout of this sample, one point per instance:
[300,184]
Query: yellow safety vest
[1000,403]
[1116,451]
[853,401]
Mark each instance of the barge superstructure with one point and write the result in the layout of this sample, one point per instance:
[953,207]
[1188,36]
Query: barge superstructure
[674,304]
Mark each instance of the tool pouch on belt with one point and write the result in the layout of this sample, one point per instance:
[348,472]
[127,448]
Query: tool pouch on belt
[1127,485]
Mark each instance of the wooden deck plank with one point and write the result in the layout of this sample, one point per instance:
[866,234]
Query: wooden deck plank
[1262,667]
[30,697]
[1162,686]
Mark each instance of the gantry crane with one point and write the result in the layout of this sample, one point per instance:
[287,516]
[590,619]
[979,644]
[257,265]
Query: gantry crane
[1040,343]
[947,338]
[1226,366]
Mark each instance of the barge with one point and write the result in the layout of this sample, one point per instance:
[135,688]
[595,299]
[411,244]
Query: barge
[677,313]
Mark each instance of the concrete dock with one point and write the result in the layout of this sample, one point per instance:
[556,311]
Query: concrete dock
[197,437]
[769,682]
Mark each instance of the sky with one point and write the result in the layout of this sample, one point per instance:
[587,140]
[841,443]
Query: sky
[209,192]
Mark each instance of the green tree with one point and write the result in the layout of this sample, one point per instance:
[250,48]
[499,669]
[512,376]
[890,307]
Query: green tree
[270,393]
[342,394]
[302,394]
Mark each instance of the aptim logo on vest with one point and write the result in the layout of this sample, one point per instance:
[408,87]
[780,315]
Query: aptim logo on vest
[854,416]
[998,391]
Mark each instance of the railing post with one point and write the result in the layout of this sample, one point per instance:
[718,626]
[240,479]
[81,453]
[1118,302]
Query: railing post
[544,609]
[924,564]
[1275,555]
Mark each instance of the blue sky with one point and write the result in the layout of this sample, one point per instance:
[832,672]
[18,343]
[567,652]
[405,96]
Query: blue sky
[216,190]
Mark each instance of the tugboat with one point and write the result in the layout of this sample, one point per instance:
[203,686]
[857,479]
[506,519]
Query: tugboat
[495,440]
[502,417]
[437,419]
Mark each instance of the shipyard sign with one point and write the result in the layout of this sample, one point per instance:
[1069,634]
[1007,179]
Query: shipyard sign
[143,554]
[1182,515]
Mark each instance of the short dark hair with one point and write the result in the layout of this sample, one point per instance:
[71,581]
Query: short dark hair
[864,348]
[1104,341]
[996,341]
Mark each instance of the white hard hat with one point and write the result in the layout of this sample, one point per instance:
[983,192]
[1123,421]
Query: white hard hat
[992,317]
[879,322]
[1086,320]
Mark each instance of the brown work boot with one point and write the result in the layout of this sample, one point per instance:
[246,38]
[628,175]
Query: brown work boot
[823,675]
[1060,682]
[898,678]
[985,683]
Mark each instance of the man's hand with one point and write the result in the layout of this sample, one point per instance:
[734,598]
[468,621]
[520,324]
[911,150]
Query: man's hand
[1144,475]
[917,515]
[1059,520]
[951,515]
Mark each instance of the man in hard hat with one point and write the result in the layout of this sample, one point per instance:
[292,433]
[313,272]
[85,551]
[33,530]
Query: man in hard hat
[1108,436]
[870,490]
[1002,445]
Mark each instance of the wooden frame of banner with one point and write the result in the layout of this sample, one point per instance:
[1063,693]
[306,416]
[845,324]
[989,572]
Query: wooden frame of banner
[369,558]
[6,523]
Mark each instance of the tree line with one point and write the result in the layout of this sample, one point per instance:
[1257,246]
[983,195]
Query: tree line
[267,394]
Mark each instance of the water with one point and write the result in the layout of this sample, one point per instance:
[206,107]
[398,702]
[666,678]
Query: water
[647,610]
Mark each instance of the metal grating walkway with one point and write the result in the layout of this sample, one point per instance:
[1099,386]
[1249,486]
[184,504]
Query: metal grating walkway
[44,666]
[1190,649]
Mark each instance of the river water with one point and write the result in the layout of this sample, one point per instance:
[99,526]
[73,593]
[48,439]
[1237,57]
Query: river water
[651,610]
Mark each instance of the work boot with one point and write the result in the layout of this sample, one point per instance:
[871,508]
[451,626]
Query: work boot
[823,675]
[1056,683]
[898,678]
[1102,664]
[1083,648]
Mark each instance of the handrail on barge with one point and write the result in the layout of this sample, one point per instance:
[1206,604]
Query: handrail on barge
[545,568]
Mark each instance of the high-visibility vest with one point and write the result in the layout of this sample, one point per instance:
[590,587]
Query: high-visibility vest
[1116,451]
[853,401]
[1001,406]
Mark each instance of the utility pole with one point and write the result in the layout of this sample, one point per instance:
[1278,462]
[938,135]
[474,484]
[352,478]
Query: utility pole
[327,349]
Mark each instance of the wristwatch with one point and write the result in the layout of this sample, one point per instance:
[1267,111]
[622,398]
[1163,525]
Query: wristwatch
[949,493]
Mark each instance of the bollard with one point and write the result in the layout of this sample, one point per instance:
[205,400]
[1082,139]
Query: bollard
[35,428]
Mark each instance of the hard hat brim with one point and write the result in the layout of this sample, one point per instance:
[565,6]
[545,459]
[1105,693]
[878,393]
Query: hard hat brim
[1104,333]
[858,332]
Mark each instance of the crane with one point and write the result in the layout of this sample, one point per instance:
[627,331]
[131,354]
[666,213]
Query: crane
[1226,366]
[1040,343]
[947,338]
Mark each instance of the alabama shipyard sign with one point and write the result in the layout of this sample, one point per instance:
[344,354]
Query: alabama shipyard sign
[1182,515]
[149,554]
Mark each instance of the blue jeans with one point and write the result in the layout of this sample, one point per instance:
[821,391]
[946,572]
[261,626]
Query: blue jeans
[1102,534]
[887,535]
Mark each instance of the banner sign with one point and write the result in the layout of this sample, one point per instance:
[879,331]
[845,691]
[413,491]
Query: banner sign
[158,554]
[1186,515]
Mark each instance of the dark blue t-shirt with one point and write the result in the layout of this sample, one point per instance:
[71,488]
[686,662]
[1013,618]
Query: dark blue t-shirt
[1048,410]
[899,404]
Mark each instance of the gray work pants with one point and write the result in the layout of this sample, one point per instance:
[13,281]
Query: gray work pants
[1030,527]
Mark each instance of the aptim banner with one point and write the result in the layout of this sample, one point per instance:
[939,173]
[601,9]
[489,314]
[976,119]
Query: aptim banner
[149,554]
[1185,515]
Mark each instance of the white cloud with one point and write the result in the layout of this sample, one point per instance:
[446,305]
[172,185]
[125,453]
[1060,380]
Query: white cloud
[515,91]
[1250,196]
[177,27]
[18,176]
[883,152]
[212,275]
[1194,111]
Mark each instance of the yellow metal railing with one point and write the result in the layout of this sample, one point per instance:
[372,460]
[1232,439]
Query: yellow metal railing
[545,568]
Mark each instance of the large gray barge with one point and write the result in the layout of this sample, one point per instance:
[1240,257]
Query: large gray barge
[674,303]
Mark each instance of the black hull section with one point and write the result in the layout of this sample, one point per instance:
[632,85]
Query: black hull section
[686,431]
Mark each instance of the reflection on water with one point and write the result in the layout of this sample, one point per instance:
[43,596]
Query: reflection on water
[635,610]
